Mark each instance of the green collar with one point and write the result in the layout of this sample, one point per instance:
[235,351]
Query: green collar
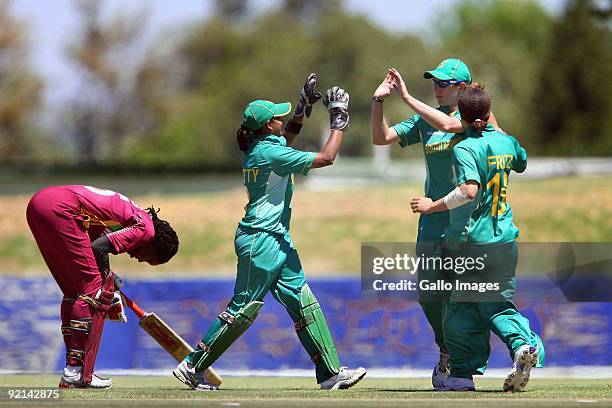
[270,138]
[445,109]
[276,139]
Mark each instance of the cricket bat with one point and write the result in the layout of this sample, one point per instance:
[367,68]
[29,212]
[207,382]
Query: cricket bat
[167,338]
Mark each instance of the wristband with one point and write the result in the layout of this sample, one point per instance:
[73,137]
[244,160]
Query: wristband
[293,127]
[377,99]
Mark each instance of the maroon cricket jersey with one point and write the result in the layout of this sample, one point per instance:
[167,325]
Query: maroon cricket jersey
[123,221]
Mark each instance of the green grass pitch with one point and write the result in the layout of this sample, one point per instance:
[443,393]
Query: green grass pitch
[267,392]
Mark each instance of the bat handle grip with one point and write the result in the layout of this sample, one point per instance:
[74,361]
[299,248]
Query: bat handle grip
[135,308]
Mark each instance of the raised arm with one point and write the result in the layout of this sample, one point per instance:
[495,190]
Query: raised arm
[292,128]
[336,101]
[434,117]
[382,134]
[308,97]
[328,153]
[493,120]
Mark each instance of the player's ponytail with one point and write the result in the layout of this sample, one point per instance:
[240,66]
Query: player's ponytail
[479,125]
[474,86]
[165,242]
[475,106]
[243,138]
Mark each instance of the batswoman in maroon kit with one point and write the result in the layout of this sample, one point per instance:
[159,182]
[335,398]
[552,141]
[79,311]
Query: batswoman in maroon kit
[76,228]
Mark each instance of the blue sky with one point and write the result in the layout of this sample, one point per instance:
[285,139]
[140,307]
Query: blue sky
[51,23]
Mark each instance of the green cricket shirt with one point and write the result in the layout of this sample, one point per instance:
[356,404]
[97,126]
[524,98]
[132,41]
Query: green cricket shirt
[487,158]
[437,147]
[268,168]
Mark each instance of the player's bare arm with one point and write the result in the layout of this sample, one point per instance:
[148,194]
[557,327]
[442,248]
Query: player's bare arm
[434,117]
[382,134]
[463,194]
[493,120]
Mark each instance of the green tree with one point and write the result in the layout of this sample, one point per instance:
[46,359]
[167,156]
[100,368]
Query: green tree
[221,67]
[502,42]
[572,112]
[20,90]
[119,84]
[356,54]
[200,105]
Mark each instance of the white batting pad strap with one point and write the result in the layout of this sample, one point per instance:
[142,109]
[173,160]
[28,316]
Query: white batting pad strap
[455,199]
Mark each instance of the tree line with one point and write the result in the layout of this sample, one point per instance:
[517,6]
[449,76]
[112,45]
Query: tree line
[178,99]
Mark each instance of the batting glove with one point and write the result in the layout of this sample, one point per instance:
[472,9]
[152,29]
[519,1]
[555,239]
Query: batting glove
[116,313]
[336,101]
[308,97]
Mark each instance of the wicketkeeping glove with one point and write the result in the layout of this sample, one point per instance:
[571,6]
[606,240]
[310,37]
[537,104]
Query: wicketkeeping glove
[336,101]
[308,97]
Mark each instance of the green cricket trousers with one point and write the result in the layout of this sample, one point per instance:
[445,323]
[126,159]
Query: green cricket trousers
[270,262]
[470,314]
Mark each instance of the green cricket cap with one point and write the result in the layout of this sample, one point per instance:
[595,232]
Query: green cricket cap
[257,113]
[450,69]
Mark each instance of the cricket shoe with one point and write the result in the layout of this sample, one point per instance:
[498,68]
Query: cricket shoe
[344,379]
[456,384]
[72,378]
[524,360]
[186,373]
[441,371]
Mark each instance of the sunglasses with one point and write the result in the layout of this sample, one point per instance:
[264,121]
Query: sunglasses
[445,84]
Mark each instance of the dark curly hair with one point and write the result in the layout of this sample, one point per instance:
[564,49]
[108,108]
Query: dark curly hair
[475,106]
[165,243]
